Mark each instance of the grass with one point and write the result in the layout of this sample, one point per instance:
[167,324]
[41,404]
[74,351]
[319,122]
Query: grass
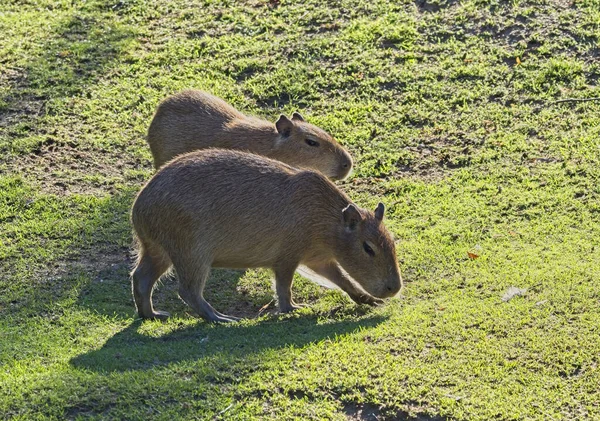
[449,110]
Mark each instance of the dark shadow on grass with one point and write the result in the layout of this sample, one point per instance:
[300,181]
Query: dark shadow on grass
[93,246]
[129,350]
[72,57]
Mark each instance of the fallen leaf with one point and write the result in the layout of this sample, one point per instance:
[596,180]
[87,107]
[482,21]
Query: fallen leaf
[472,256]
[513,292]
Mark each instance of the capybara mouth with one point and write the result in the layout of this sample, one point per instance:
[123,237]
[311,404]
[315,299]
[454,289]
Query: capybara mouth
[339,177]
[387,292]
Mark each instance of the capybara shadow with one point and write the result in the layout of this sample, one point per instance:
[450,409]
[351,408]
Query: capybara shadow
[130,350]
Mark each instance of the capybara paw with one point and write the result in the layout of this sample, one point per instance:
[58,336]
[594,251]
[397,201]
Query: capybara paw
[288,308]
[376,301]
[221,318]
[156,315]
[367,299]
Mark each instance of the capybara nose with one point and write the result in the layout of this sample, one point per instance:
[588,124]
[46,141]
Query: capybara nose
[345,167]
[393,288]
[347,162]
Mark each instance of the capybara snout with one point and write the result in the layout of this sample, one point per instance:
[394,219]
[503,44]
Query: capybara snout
[223,208]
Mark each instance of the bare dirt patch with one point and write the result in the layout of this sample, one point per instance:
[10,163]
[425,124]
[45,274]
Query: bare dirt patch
[19,108]
[21,111]
[443,152]
[432,158]
[66,168]
[366,412]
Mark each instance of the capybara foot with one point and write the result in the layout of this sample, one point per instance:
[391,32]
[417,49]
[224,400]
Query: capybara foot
[367,299]
[156,315]
[221,318]
[289,307]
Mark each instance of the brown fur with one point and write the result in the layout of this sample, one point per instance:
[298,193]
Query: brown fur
[193,119]
[223,208]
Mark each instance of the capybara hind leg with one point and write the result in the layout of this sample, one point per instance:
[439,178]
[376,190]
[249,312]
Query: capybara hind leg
[284,276]
[203,308]
[192,278]
[152,264]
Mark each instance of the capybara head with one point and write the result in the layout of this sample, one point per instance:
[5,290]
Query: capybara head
[301,144]
[367,251]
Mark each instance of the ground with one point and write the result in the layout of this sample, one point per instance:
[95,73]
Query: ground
[455,115]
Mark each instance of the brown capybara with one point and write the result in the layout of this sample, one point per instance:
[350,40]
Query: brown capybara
[193,119]
[231,209]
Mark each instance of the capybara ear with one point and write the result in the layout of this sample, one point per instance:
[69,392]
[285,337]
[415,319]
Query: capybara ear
[379,211]
[284,126]
[352,216]
[297,116]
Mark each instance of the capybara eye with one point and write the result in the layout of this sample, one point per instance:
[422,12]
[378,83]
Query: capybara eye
[311,142]
[368,249]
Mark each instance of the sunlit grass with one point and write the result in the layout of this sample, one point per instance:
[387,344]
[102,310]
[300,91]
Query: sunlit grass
[448,110]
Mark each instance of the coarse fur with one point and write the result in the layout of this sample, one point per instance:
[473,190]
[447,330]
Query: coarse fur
[230,209]
[194,119]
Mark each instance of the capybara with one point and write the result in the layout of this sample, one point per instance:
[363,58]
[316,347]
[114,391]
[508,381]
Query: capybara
[193,119]
[231,209]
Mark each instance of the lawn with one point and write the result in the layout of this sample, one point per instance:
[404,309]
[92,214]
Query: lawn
[464,118]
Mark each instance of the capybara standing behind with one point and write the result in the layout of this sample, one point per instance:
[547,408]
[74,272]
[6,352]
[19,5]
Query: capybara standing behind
[230,209]
[193,119]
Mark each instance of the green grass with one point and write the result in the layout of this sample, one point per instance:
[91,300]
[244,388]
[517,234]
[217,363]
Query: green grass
[449,110]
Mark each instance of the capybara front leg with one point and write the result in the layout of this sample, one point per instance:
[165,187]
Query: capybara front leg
[332,272]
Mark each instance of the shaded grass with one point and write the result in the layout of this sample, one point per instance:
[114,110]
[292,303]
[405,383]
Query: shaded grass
[448,110]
